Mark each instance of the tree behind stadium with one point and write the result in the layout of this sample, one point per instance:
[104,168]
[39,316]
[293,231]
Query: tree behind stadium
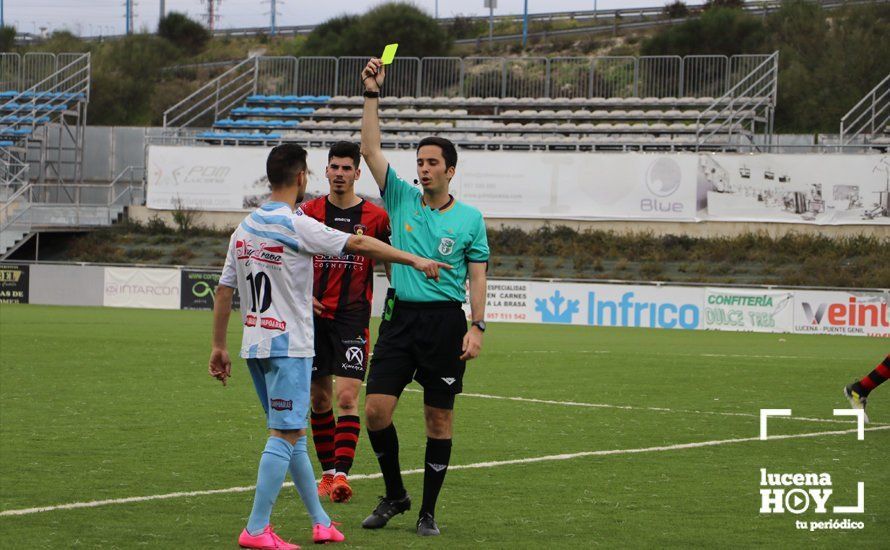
[418,34]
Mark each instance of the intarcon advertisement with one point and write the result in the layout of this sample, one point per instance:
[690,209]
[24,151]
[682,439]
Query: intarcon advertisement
[141,287]
[199,288]
[811,189]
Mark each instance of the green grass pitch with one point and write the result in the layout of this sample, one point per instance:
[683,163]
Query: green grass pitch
[108,403]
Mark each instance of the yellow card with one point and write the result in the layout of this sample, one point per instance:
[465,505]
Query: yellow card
[389,53]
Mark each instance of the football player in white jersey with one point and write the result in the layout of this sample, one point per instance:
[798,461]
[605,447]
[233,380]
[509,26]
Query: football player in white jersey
[269,261]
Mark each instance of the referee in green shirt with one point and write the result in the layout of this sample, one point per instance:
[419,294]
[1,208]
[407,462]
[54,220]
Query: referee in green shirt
[424,332]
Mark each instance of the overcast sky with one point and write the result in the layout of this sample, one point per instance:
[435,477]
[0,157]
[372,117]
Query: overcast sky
[91,17]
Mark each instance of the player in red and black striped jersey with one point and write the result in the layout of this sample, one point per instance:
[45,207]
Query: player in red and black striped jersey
[343,292]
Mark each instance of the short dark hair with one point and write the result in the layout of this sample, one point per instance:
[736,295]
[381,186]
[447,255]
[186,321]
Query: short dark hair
[449,151]
[284,163]
[345,149]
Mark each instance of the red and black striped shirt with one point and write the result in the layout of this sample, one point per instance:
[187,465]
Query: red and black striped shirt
[345,284]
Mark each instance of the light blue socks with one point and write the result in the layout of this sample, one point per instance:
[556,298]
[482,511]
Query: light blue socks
[273,468]
[304,480]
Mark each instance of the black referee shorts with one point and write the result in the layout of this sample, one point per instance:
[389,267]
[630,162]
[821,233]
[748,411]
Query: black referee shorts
[423,341]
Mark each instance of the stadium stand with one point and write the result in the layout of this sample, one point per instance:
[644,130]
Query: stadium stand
[43,106]
[42,94]
[588,104]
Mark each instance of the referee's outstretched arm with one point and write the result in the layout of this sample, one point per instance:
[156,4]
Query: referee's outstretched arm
[372,77]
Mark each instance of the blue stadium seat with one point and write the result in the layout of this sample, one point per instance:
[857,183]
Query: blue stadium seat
[14,132]
[13,119]
[4,144]
[242,136]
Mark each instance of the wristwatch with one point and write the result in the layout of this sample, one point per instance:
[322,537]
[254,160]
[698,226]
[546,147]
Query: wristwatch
[479,324]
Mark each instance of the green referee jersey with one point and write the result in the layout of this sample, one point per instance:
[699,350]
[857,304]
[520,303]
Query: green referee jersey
[454,234]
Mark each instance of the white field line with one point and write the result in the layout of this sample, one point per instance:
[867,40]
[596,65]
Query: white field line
[632,408]
[603,352]
[491,464]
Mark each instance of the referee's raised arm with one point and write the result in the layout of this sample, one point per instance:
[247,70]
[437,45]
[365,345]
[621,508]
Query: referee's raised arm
[372,77]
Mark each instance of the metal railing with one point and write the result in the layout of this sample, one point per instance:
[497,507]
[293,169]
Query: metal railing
[69,82]
[14,212]
[750,102]
[127,186]
[13,171]
[653,11]
[216,97]
[870,117]
[33,69]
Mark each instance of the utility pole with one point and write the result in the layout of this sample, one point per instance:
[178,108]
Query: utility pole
[163,10]
[212,13]
[273,15]
[2,25]
[437,8]
[129,16]
[524,24]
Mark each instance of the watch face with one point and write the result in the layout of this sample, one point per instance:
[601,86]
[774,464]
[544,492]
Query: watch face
[481,325]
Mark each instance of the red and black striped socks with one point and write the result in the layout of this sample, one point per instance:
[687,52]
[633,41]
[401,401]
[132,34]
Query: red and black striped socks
[874,379]
[345,440]
[335,440]
[323,430]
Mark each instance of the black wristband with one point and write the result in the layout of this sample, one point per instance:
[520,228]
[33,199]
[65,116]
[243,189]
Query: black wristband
[370,94]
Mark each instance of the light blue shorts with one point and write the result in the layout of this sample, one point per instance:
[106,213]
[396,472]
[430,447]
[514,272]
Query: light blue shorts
[282,384]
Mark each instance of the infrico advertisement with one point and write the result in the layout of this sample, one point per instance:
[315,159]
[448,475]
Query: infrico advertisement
[689,308]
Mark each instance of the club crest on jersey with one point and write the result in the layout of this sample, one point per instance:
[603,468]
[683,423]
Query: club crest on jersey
[359,229]
[446,246]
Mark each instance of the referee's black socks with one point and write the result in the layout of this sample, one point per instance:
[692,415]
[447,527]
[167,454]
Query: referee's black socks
[385,443]
[438,454]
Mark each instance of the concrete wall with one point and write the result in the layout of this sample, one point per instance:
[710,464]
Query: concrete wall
[228,220]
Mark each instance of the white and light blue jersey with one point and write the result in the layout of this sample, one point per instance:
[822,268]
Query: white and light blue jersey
[269,261]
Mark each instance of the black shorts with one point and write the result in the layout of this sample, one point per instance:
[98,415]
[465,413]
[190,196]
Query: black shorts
[423,341]
[341,348]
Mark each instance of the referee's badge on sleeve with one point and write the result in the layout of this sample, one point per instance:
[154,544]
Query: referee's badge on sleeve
[446,246]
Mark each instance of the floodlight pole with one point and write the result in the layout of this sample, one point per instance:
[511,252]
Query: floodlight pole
[524,23]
